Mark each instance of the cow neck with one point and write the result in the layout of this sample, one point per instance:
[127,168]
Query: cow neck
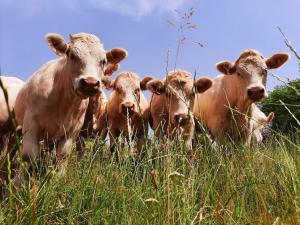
[241,106]
[235,94]
[65,85]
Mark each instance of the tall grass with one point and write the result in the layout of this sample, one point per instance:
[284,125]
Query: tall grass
[238,185]
[231,185]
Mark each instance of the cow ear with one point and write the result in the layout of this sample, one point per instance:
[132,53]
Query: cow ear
[226,67]
[116,55]
[270,117]
[156,87]
[277,60]
[144,82]
[110,69]
[202,84]
[108,83]
[56,43]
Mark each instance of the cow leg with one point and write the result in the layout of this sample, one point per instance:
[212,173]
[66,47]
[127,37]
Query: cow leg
[63,152]
[140,147]
[30,147]
[113,136]
[103,134]
[80,145]
[141,150]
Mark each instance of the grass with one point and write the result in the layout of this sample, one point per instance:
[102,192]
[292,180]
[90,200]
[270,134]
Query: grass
[238,185]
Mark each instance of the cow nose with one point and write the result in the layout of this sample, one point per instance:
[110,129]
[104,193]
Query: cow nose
[181,118]
[127,107]
[89,82]
[256,93]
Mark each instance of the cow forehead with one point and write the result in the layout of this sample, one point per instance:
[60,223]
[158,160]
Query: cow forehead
[180,80]
[181,84]
[178,74]
[127,80]
[248,53]
[252,62]
[87,44]
[252,57]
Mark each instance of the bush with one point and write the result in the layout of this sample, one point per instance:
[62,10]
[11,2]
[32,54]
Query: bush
[284,101]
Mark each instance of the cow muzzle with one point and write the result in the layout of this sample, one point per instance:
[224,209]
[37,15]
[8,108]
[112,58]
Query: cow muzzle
[256,93]
[89,86]
[128,108]
[182,119]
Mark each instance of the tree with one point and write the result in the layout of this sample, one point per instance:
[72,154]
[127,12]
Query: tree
[284,101]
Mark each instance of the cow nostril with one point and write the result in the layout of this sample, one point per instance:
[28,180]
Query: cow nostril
[128,107]
[83,82]
[262,91]
[177,118]
[250,92]
[97,83]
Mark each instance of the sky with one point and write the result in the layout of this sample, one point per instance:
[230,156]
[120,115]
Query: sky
[225,28]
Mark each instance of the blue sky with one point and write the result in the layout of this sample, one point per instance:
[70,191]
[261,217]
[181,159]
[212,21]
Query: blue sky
[225,28]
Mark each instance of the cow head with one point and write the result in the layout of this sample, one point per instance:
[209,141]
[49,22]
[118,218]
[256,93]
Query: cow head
[127,89]
[179,90]
[86,60]
[252,70]
[261,125]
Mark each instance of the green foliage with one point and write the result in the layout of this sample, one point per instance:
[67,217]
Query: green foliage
[289,94]
[237,186]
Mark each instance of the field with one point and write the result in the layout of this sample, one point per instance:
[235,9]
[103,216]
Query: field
[235,185]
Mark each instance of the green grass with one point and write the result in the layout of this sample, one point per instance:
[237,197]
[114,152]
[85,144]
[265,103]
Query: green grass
[238,185]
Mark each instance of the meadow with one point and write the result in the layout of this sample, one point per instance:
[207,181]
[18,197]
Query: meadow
[232,185]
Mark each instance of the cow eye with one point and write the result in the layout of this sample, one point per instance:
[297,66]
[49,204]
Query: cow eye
[265,71]
[136,91]
[103,62]
[72,56]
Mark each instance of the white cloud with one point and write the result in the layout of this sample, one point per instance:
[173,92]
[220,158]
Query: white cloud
[137,8]
[132,8]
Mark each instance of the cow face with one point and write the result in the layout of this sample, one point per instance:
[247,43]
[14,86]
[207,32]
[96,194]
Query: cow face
[86,61]
[127,89]
[179,90]
[261,125]
[252,70]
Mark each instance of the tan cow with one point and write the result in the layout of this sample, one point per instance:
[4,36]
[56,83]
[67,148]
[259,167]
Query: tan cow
[95,111]
[258,123]
[126,109]
[92,126]
[172,103]
[54,100]
[12,85]
[226,108]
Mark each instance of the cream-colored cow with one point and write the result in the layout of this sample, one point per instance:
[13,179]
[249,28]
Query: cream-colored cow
[54,100]
[126,109]
[258,123]
[12,85]
[226,108]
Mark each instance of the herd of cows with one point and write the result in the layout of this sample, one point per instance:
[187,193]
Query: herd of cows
[64,101]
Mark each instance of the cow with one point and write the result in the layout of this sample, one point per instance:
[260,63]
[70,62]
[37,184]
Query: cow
[226,108]
[54,100]
[92,125]
[172,101]
[12,86]
[125,112]
[258,123]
